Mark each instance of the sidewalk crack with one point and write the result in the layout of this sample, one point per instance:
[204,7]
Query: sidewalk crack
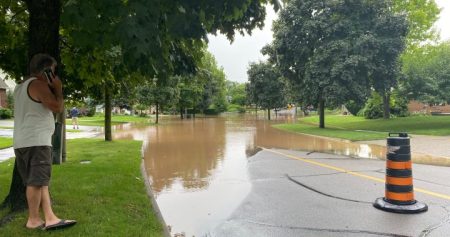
[429,229]
[325,194]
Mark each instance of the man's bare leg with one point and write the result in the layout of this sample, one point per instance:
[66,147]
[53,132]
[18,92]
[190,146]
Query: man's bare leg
[50,217]
[34,195]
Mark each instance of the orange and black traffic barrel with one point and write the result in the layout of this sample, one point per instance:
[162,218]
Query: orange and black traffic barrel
[399,195]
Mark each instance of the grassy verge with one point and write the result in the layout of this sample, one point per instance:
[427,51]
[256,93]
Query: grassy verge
[99,120]
[331,132]
[107,196]
[6,142]
[357,128]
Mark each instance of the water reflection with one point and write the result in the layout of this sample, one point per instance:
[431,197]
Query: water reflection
[187,151]
[269,137]
[198,168]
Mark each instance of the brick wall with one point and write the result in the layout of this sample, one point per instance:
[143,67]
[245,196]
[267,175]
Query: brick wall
[418,107]
[3,98]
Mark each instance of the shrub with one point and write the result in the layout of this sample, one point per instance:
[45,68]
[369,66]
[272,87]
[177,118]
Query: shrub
[5,113]
[399,105]
[90,112]
[211,111]
[236,108]
[354,107]
[374,106]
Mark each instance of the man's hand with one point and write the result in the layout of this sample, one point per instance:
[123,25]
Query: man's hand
[56,85]
[50,95]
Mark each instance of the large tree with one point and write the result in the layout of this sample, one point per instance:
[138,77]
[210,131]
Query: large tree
[265,88]
[42,37]
[329,49]
[213,77]
[157,93]
[236,93]
[154,37]
[390,31]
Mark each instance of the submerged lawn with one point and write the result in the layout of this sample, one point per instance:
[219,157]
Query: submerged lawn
[357,128]
[107,196]
[99,120]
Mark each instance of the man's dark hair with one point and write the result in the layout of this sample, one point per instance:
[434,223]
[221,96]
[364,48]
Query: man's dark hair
[41,61]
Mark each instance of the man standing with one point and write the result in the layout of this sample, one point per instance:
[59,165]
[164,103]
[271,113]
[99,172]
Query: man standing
[35,98]
[74,114]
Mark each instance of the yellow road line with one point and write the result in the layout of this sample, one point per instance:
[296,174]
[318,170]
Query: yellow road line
[439,195]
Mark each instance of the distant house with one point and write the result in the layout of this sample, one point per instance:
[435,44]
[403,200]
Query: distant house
[3,97]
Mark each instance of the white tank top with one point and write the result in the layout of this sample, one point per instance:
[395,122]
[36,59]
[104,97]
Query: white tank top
[33,123]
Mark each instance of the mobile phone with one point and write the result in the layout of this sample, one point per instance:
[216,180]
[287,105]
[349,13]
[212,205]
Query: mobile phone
[49,74]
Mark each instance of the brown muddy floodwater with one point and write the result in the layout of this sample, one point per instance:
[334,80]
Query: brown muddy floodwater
[198,167]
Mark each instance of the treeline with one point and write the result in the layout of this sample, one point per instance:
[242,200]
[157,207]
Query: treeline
[372,56]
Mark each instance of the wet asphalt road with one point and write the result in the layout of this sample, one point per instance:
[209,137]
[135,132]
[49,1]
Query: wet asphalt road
[311,194]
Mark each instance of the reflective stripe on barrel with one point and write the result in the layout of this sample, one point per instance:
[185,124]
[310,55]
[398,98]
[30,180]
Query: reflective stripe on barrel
[398,165]
[400,197]
[399,181]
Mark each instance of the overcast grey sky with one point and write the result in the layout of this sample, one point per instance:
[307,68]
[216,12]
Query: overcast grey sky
[235,57]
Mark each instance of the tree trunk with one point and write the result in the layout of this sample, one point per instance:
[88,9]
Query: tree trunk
[43,26]
[16,199]
[268,114]
[386,105]
[157,113]
[43,37]
[108,132]
[322,113]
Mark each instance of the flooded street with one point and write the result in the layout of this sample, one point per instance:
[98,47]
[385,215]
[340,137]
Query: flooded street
[198,168]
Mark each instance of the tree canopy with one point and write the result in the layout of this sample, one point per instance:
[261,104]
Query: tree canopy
[427,74]
[330,49]
[421,15]
[265,88]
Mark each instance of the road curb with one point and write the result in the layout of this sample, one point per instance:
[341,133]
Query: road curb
[155,207]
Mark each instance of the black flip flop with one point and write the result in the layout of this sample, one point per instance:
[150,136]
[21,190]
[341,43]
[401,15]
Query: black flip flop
[39,227]
[60,225]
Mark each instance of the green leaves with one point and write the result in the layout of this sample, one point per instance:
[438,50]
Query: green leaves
[13,38]
[333,46]
[265,88]
[421,15]
[427,75]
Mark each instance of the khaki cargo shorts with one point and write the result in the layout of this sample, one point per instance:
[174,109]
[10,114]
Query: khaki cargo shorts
[34,165]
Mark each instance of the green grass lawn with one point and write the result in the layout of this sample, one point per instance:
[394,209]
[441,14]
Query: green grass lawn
[107,197]
[99,120]
[6,142]
[357,128]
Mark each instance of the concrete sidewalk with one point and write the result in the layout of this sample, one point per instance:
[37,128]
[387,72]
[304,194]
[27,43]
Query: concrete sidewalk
[438,146]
